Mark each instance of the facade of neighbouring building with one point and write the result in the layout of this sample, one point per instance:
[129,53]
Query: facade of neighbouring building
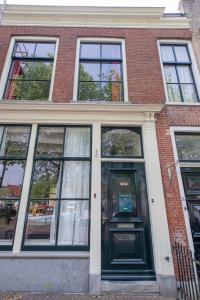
[98,120]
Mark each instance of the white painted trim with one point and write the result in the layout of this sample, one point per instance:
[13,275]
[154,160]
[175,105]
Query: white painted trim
[45,254]
[194,66]
[157,209]
[102,17]
[95,206]
[173,130]
[25,192]
[8,60]
[124,67]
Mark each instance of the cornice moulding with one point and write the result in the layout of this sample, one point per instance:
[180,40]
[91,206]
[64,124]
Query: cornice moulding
[71,16]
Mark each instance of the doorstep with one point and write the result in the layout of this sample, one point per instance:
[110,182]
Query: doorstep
[136,287]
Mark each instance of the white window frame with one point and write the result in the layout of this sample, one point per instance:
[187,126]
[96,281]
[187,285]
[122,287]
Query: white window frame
[194,68]
[124,66]
[8,62]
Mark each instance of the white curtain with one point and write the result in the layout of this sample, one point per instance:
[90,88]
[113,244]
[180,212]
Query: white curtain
[73,218]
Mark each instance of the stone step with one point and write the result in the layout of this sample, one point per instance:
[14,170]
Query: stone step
[135,287]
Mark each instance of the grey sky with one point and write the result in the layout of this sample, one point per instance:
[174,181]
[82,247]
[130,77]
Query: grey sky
[171,5]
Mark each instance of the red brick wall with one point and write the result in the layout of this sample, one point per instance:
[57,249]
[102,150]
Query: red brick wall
[145,83]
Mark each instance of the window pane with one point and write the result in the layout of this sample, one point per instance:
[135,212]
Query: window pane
[46,179]
[111,71]
[121,142]
[192,181]
[111,51]
[41,223]
[189,93]
[15,141]
[112,91]
[174,93]
[11,178]
[50,142]
[170,74]
[21,70]
[188,146]
[185,75]
[1,133]
[181,54]
[89,91]
[76,179]
[167,53]
[77,142]
[8,218]
[90,72]
[90,50]
[73,223]
[41,70]
[23,49]
[45,50]
[38,90]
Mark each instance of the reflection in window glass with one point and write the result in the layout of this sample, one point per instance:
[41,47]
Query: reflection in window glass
[100,72]
[121,142]
[14,142]
[188,146]
[60,188]
[30,72]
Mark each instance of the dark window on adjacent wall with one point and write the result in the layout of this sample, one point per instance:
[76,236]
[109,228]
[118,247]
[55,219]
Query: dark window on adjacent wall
[121,142]
[30,73]
[100,72]
[58,209]
[188,146]
[14,141]
[178,73]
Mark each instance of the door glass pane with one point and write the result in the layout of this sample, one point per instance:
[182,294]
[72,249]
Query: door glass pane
[181,53]
[111,72]
[188,146]
[77,142]
[15,141]
[73,223]
[11,178]
[90,72]
[174,93]
[41,223]
[184,74]
[50,142]
[189,93]
[8,218]
[121,142]
[111,51]
[75,180]
[122,193]
[46,179]
[90,50]
[90,91]
[170,74]
[167,53]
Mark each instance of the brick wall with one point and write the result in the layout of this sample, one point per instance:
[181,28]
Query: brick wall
[145,83]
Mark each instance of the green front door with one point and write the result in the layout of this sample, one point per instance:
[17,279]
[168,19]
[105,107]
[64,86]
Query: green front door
[126,236]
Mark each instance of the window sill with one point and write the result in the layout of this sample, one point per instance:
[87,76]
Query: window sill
[183,103]
[45,254]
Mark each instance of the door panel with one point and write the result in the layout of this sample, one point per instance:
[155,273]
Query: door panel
[126,237]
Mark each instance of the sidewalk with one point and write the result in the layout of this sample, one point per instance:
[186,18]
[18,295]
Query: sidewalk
[38,296]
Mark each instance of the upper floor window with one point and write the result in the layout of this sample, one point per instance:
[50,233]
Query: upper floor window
[100,72]
[179,77]
[30,72]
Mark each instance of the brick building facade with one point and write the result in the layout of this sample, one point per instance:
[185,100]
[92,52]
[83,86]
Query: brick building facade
[91,117]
